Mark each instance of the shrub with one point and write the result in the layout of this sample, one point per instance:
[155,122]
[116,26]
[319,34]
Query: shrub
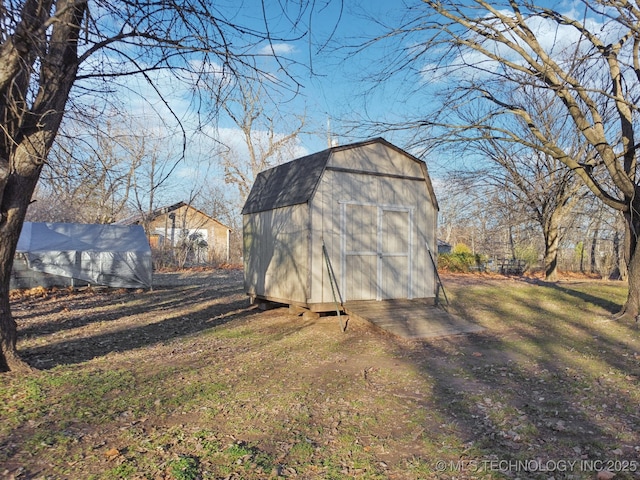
[461,259]
[461,249]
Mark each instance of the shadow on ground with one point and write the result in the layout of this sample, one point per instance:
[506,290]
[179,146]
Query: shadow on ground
[75,327]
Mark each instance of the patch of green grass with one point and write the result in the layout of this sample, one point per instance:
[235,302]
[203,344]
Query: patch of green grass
[420,467]
[301,452]
[208,442]
[96,394]
[45,439]
[122,471]
[24,401]
[245,459]
[197,393]
[237,451]
[184,468]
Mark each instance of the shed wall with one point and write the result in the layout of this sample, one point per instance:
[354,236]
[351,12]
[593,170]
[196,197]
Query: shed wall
[377,191]
[276,254]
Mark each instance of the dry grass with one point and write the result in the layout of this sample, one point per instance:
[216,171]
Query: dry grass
[187,382]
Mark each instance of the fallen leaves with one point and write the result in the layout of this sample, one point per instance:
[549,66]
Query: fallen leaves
[112,454]
[313,404]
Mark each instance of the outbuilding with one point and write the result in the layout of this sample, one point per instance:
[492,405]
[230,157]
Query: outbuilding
[60,254]
[353,222]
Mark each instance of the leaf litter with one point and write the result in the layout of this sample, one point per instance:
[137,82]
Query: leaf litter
[189,379]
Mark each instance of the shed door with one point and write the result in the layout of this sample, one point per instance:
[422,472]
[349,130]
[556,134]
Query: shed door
[393,235]
[376,252]
[360,272]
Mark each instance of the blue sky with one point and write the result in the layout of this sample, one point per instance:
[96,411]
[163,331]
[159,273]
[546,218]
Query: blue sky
[330,78]
[331,90]
[335,82]
[333,87]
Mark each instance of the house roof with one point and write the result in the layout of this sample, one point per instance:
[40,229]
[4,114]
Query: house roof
[139,217]
[295,182]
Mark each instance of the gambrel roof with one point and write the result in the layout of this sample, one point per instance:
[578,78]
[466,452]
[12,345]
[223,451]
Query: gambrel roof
[295,182]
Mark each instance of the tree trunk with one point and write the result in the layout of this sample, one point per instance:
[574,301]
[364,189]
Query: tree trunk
[14,206]
[551,231]
[594,250]
[512,243]
[619,271]
[9,359]
[551,242]
[631,308]
[26,136]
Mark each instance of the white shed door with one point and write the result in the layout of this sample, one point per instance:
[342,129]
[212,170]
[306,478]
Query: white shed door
[393,278]
[377,252]
[360,272]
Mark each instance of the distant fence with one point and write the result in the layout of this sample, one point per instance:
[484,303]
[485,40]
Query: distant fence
[511,266]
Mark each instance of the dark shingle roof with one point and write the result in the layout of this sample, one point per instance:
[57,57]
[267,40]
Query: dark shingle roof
[295,182]
[291,183]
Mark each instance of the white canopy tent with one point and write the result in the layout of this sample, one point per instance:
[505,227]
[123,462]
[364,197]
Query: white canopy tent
[110,255]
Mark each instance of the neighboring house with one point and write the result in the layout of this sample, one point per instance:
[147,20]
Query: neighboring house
[181,225]
[370,206]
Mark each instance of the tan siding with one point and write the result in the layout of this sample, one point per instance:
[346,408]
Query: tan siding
[216,235]
[376,158]
[346,213]
[275,253]
[338,195]
[317,269]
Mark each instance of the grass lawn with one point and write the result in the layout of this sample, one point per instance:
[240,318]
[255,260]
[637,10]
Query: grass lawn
[187,382]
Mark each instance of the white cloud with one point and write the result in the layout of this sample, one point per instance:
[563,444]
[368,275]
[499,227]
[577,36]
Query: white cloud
[277,49]
[558,41]
[233,139]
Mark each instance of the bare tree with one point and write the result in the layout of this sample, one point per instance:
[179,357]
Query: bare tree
[478,210]
[262,137]
[156,162]
[48,47]
[259,127]
[536,183]
[87,177]
[587,59]
[466,212]
[219,203]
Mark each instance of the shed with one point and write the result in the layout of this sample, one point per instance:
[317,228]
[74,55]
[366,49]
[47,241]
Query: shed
[370,204]
[110,255]
[443,247]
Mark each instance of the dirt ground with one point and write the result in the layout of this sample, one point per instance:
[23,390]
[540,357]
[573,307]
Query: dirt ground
[46,316]
[84,320]
[367,404]
[70,326]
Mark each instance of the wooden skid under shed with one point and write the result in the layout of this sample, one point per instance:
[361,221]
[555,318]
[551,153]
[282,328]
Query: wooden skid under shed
[412,319]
